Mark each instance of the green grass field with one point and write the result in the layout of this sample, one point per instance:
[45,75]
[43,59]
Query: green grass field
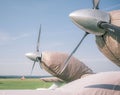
[23,84]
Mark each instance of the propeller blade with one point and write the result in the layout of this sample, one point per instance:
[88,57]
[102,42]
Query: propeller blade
[67,60]
[38,41]
[33,67]
[108,26]
[96,4]
[40,63]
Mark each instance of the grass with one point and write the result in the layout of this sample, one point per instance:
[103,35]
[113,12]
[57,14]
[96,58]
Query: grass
[23,84]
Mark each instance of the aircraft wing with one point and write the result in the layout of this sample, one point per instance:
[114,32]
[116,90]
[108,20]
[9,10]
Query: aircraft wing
[56,82]
[51,79]
[106,83]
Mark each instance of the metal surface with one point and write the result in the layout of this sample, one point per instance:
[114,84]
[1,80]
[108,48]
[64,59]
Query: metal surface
[108,27]
[87,20]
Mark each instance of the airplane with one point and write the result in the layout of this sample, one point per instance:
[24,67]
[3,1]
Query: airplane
[93,21]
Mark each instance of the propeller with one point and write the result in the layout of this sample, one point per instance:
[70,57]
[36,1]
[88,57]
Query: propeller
[38,41]
[36,55]
[83,18]
[93,21]
[108,27]
[96,4]
[67,60]
[32,67]
[75,18]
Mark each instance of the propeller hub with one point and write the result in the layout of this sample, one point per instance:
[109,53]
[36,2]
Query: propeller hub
[87,20]
[32,56]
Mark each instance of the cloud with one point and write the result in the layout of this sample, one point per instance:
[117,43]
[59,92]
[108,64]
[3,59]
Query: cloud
[7,37]
[20,36]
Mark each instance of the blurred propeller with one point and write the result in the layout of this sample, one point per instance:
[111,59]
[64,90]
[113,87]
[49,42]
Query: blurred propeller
[96,4]
[38,41]
[32,68]
[34,56]
[67,60]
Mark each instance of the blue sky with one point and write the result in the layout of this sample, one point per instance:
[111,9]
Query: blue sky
[19,26]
